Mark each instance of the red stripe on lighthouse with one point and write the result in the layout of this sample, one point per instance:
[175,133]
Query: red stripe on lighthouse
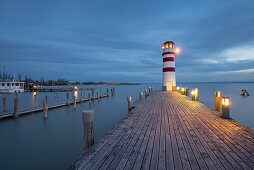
[169,59]
[169,69]
[169,53]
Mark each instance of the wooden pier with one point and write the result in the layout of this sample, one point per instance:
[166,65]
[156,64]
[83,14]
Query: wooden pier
[167,130]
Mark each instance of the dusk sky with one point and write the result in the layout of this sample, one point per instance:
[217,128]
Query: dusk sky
[120,41]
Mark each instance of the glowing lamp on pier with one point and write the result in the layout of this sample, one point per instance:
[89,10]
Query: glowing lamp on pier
[193,94]
[177,88]
[225,101]
[183,90]
[225,107]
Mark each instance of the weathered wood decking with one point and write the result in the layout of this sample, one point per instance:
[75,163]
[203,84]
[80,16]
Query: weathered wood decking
[169,131]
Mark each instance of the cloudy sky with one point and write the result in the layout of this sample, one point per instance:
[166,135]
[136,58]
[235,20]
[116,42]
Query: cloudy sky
[120,41]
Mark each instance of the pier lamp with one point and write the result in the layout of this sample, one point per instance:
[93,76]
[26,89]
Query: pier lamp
[76,94]
[177,88]
[196,94]
[218,101]
[225,107]
[193,95]
[182,90]
[34,93]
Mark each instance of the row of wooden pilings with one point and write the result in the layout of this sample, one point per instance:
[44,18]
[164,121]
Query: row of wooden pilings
[45,102]
[221,102]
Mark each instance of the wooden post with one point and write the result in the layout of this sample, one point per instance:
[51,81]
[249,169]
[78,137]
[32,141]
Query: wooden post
[67,97]
[57,97]
[107,92]
[46,100]
[75,103]
[129,102]
[186,91]
[145,92]
[225,107]
[81,95]
[88,118]
[149,89]
[152,89]
[93,94]
[140,95]
[84,94]
[112,94]
[4,104]
[45,110]
[89,97]
[15,114]
[98,97]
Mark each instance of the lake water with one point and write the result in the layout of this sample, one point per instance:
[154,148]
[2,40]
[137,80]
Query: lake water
[30,142]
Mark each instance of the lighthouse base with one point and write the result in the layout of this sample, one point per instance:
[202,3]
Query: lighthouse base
[167,88]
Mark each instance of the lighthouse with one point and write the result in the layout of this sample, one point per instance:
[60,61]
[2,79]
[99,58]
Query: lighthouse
[169,77]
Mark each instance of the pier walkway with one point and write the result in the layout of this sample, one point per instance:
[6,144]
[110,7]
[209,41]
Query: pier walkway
[168,130]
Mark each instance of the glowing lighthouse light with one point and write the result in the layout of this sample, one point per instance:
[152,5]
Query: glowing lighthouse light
[169,78]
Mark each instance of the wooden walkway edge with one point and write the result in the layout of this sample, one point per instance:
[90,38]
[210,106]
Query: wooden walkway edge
[168,130]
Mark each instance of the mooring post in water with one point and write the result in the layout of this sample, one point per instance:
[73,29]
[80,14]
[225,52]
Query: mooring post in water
[225,107]
[89,98]
[75,103]
[88,118]
[93,94]
[57,97]
[15,114]
[218,101]
[46,100]
[129,103]
[107,92]
[98,97]
[4,104]
[145,92]
[45,110]
[196,94]
[140,95]
[67,98]
[81,95]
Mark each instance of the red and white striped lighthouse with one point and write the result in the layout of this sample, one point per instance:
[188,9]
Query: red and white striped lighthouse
[169,78]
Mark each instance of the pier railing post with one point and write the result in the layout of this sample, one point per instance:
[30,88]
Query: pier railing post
[100,93]
[15,114]
[98,97]
[225,107]
[45,110]
[129,103]
[4,104]
[140,95]
[46,100]
[193,95]
[218,101]
[88,119]
[152,89]
[149,89]
[145,92]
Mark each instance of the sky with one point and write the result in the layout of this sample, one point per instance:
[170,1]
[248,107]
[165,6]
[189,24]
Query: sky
[120,41]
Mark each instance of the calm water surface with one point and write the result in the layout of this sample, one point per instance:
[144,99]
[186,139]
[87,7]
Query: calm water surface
[30,142]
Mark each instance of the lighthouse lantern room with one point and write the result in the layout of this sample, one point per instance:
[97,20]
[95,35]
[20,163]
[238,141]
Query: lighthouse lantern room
[169,78]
